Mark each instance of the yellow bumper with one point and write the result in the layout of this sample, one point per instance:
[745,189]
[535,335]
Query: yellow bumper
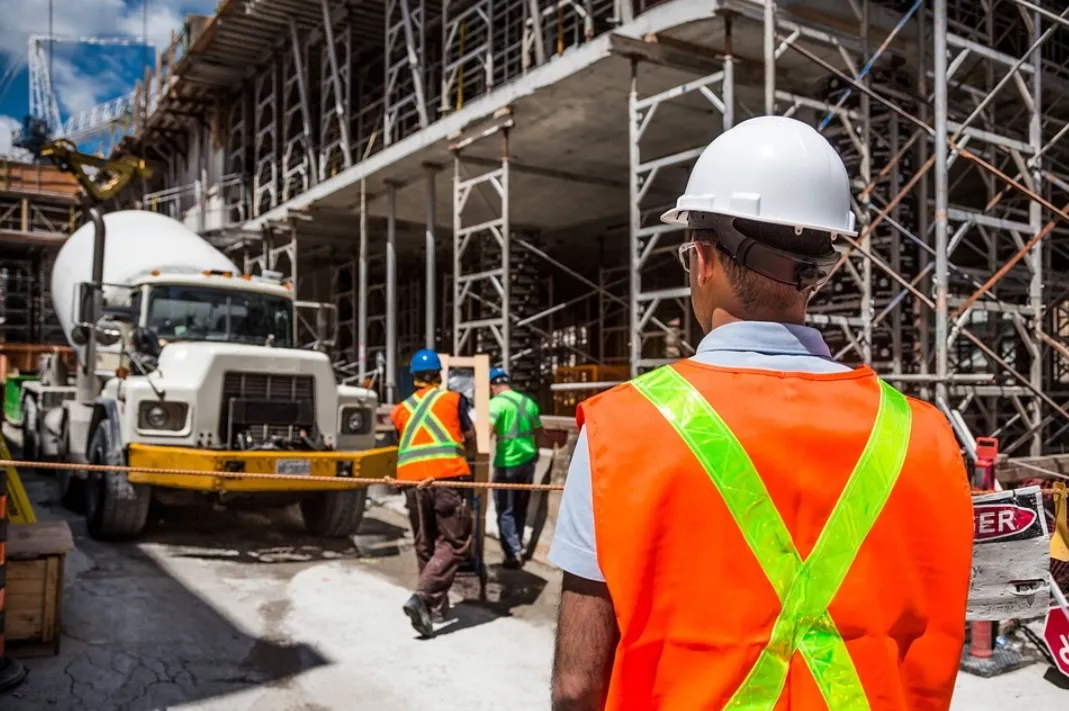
[324,472]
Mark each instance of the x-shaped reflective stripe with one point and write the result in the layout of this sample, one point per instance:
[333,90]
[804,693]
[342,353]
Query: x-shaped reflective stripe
[522,416]
[423,417]
[805,589]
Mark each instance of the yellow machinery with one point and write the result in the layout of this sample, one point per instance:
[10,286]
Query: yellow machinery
[116,173]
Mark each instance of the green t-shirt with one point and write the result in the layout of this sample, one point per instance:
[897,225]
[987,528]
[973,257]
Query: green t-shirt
[515,417]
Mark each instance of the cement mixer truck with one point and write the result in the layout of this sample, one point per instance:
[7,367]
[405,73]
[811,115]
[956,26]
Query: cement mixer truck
[186,363]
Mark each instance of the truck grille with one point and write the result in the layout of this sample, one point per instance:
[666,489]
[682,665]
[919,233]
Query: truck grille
[256,400]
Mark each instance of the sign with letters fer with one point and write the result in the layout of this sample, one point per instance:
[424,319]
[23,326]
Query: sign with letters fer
[1011,556]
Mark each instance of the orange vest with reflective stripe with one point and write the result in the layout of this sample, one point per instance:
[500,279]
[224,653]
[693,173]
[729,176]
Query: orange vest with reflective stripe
[694,606]
[424,460]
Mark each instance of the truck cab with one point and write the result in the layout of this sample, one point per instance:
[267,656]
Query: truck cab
[199,384]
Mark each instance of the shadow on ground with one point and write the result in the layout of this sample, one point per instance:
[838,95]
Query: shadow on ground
[135,638]
[505,590]
[264,536]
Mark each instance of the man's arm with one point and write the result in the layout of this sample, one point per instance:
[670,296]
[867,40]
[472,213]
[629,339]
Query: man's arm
[586,630]
[587,636]
[467,429]
[538,431]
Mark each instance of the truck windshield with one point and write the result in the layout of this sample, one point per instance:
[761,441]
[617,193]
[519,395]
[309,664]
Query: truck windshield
[193,313]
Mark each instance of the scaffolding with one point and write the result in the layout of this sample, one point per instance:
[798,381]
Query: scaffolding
[950,116]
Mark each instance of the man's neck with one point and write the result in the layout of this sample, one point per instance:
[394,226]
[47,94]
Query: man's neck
[722,317]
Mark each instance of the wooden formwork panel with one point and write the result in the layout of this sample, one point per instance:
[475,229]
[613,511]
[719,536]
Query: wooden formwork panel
[36,179]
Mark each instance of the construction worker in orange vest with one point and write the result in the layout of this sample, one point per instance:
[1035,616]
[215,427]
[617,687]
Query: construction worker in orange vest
[758,526]
[435,430]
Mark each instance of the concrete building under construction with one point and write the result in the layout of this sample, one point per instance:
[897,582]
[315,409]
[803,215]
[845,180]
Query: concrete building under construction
[486,176]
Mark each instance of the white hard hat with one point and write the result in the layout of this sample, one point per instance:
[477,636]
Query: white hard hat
[772,169]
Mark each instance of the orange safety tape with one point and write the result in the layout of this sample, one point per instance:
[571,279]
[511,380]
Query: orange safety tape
[345,482]
[342,482]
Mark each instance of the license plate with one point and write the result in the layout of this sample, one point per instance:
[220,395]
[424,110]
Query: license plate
[293,466]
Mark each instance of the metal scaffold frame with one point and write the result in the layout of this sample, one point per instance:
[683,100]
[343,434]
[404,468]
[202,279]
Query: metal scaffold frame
[948,114]
[481,250]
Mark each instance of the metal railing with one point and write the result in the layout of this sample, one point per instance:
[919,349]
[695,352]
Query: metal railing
[203,209]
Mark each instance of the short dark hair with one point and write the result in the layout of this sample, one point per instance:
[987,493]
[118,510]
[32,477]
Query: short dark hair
[430,377]
[756,290]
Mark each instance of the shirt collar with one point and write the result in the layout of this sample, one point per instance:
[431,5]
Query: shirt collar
[766,337]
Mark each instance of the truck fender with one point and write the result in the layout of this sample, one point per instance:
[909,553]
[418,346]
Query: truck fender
[106,414]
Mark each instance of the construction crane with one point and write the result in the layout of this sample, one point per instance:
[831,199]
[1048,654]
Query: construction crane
[43,123]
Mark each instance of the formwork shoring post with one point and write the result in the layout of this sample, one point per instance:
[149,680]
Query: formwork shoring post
[1035,220]
[770,56]
[634,135]
[939,56]
[429,276]
[391,294]
[362,288]
[922,315]
[866,310]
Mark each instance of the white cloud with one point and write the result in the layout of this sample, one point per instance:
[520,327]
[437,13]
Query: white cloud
[79,88]
[8,125]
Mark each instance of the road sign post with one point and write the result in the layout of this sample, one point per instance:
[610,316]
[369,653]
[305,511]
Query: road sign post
[1056,634]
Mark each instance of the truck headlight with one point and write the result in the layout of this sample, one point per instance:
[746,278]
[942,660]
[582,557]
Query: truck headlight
[356,420]
[170,416]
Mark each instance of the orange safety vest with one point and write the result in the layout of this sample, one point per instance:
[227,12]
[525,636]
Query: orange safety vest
[432,445]
[712,490]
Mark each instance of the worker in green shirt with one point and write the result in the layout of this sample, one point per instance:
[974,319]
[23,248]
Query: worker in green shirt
[517,425]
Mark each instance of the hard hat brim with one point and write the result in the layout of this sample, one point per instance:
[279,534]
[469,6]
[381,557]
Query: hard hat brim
[678,216]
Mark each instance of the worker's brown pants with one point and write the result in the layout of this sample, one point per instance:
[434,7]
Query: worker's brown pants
[442,527]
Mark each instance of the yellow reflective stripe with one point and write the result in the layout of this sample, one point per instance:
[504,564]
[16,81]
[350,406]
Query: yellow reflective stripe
[804,622]
[415,422]
[441,445]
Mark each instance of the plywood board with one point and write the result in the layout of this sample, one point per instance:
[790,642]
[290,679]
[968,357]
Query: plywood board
[1011,556]
[36,540]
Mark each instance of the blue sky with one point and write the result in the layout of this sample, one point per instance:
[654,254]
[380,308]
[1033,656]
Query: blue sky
[84,75]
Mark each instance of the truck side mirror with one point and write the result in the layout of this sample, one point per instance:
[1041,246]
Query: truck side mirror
[146,342]
[80,334]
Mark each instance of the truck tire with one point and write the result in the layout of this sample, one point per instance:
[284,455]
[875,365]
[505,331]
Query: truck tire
[334,514]
[71,485]
[71,490]
[31,450]
[115,509]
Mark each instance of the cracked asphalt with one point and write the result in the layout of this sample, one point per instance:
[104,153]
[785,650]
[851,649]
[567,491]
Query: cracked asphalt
[240,610]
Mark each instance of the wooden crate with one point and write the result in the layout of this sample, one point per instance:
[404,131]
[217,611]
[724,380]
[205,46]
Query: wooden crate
[34,588]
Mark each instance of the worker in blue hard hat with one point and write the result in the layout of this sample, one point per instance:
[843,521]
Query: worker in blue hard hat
[517,425]
[435,434]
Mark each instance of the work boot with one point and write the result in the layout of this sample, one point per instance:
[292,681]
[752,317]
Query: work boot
[512,562]
[417,612]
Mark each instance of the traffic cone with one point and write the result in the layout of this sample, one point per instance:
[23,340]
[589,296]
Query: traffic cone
[12,672]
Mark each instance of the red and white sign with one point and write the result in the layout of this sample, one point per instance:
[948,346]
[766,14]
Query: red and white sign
[994,521]
[1056,634]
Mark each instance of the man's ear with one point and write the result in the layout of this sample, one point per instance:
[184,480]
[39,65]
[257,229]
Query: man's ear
[708,262]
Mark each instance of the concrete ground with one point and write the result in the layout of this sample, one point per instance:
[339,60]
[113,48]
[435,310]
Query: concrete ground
[238,611]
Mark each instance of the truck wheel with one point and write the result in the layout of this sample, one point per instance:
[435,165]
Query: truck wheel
[115,509]
[31,450]
[334,514]
[71,490]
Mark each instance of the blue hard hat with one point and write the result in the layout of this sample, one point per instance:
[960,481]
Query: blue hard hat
[425,361]
[498,376]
